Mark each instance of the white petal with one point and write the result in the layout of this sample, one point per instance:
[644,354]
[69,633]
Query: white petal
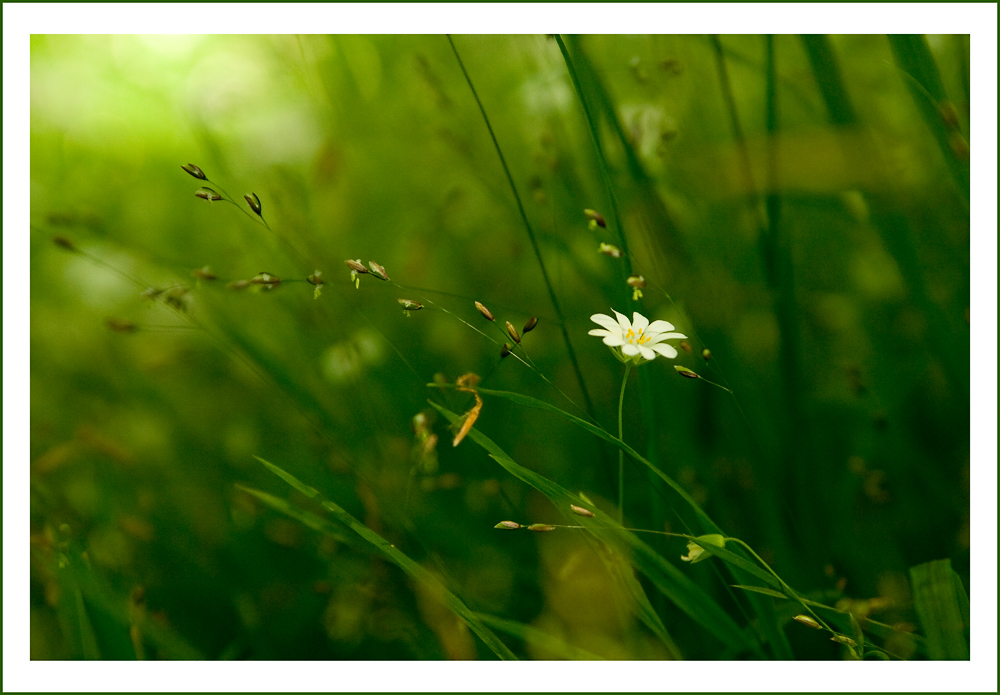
[659,327]
[613,340]
[601,332]
[639,322]
[665,350]
[668,336]
[630,350]
[623,322]
[606,321]
[647,353]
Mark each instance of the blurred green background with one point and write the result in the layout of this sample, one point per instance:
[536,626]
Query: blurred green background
[798,205]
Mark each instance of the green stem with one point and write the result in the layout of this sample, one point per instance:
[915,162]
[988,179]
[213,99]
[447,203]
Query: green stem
[621,454]
[531,235]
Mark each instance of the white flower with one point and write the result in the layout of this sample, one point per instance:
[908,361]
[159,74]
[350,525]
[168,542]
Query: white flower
[636,342]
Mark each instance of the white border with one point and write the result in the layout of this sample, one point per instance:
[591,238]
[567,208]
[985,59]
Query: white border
[20,20]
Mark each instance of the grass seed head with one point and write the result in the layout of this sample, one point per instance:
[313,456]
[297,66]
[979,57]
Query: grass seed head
[195,171]
[485,312]
[253,201]
[356,266]
[580,511]
[238,285]
[378,271]
[541,528]
[706,354]
[808,622]
[685,346]
[208,194]
[610,250]
[504,351]
[121,325]
[636,282]
[267,280]
[508,525]
[530,325]
[204,273]
[596,218]
[315,278]
[512,332]
[684,371]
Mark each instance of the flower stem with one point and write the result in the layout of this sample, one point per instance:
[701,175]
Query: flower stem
[621,454]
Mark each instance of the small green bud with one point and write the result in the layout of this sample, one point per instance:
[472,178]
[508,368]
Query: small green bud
[807,621]
[706,354]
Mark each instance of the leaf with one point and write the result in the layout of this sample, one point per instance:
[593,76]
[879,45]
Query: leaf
[761,590]
[411,567]
[541,639]
[936,598]
[313,521]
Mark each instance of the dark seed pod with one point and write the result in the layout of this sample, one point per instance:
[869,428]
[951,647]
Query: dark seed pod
[195,171]
[484,311]
[685,346]
[254,202]
[266,280]
[64,243]
[504,351]
[530,325]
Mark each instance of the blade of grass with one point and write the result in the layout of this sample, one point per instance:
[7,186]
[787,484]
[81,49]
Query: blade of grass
[317,523]
[541,639]
[397,557]
[678,588]
[531,236]
[937,600]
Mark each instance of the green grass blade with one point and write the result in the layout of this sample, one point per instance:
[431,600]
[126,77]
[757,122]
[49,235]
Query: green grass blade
[317,523]
[394,555]
[761,590]
[540,639]
[936,598]
[667,578]
[88,637]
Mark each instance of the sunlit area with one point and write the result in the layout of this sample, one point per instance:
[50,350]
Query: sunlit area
[540,347]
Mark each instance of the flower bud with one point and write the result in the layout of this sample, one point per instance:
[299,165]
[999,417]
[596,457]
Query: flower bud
[508,525]
[378,271]
[530,325]
[610,250]
[356,266]
[684,371]
[485,312]
[207,194]
[195,171]
[253,201]
[809,622]
[541,527]
[64,243]
[596,217]
[512,332]
[706,354]
[636,281]
[580,511]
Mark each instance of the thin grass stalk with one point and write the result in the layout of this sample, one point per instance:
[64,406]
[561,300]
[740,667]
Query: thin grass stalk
[531,234]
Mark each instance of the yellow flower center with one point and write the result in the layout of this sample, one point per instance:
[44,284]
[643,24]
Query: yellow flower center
[634,338]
